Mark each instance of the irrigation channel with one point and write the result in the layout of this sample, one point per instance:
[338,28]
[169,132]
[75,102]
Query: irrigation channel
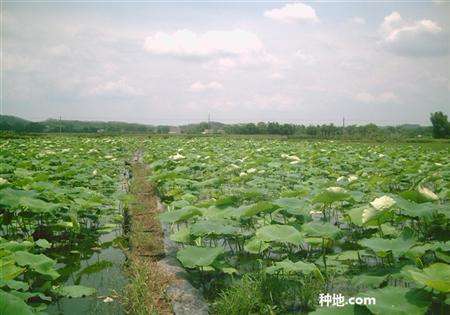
[102,262]
[100,267]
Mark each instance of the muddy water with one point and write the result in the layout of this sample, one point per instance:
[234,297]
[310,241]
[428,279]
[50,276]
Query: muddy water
[98,263]
[103,270]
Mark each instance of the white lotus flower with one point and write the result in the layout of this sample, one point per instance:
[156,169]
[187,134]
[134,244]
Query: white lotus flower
[427,193]
[352,178]
[383,203]
[341,179]
[94,172]
[242,174]
[368,213]
[293,158]
[176,157]
[294,162]
[108,300]
[65,150]
[251,170]
[92,151]
[336,189]
[3,181]
[261,171]
[381,155]
[284,155]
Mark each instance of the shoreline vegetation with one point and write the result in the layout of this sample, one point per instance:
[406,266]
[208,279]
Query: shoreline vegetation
[11,125]
[145,292]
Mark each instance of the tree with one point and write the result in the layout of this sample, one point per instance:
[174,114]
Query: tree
[441,127]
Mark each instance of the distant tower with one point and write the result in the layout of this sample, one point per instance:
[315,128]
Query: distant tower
[343,126]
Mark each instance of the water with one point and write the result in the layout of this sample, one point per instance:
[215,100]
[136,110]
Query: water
[102,270]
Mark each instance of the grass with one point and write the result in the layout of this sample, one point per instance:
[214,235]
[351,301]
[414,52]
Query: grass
[261,293]
[145,293]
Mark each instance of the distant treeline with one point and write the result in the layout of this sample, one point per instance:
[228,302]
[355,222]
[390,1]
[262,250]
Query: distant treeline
[325,131]
[16,124]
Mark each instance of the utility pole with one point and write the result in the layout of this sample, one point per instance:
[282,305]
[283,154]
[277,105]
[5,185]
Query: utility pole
[343,126]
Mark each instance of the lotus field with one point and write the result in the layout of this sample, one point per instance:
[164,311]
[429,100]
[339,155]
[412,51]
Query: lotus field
[263,226]
[266,226]
[55,197]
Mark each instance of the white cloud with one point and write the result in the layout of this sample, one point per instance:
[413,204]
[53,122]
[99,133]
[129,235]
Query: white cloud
[357,20]
[279,102]
[276,76]
[119,88]
[201,87]
[305,58]
[291,13]
[385,97]
[58,50]
[414,38]
[185,43]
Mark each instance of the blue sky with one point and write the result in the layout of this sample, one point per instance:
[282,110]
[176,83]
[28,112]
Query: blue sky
[173,63]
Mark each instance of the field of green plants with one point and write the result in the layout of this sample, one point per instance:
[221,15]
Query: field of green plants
[58,197]
[266,226]
[263,226]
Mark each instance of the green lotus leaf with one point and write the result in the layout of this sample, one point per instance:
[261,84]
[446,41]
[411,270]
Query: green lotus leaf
[260,207]
[293,206]
[367,281]
[321,229]
[436,276]
[398,301]
[183,235]
[39,263]
[10,304]
[227,201]
[279,233]
[10,198]
[213,227]
[8,269]
[355,215]
[14,246]
[287,266]
[43,243]
[255,246]
[381,246]
[75,291]
[14,284]
[194,256]
[329,196]
[176,216]
[347,255]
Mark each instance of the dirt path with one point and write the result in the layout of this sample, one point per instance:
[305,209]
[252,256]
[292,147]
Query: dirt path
[146,293]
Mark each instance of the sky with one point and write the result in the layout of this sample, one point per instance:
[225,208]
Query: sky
[176,62]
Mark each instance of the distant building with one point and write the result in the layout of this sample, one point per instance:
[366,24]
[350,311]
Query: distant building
[174,130]
[208,131]
[213,131]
